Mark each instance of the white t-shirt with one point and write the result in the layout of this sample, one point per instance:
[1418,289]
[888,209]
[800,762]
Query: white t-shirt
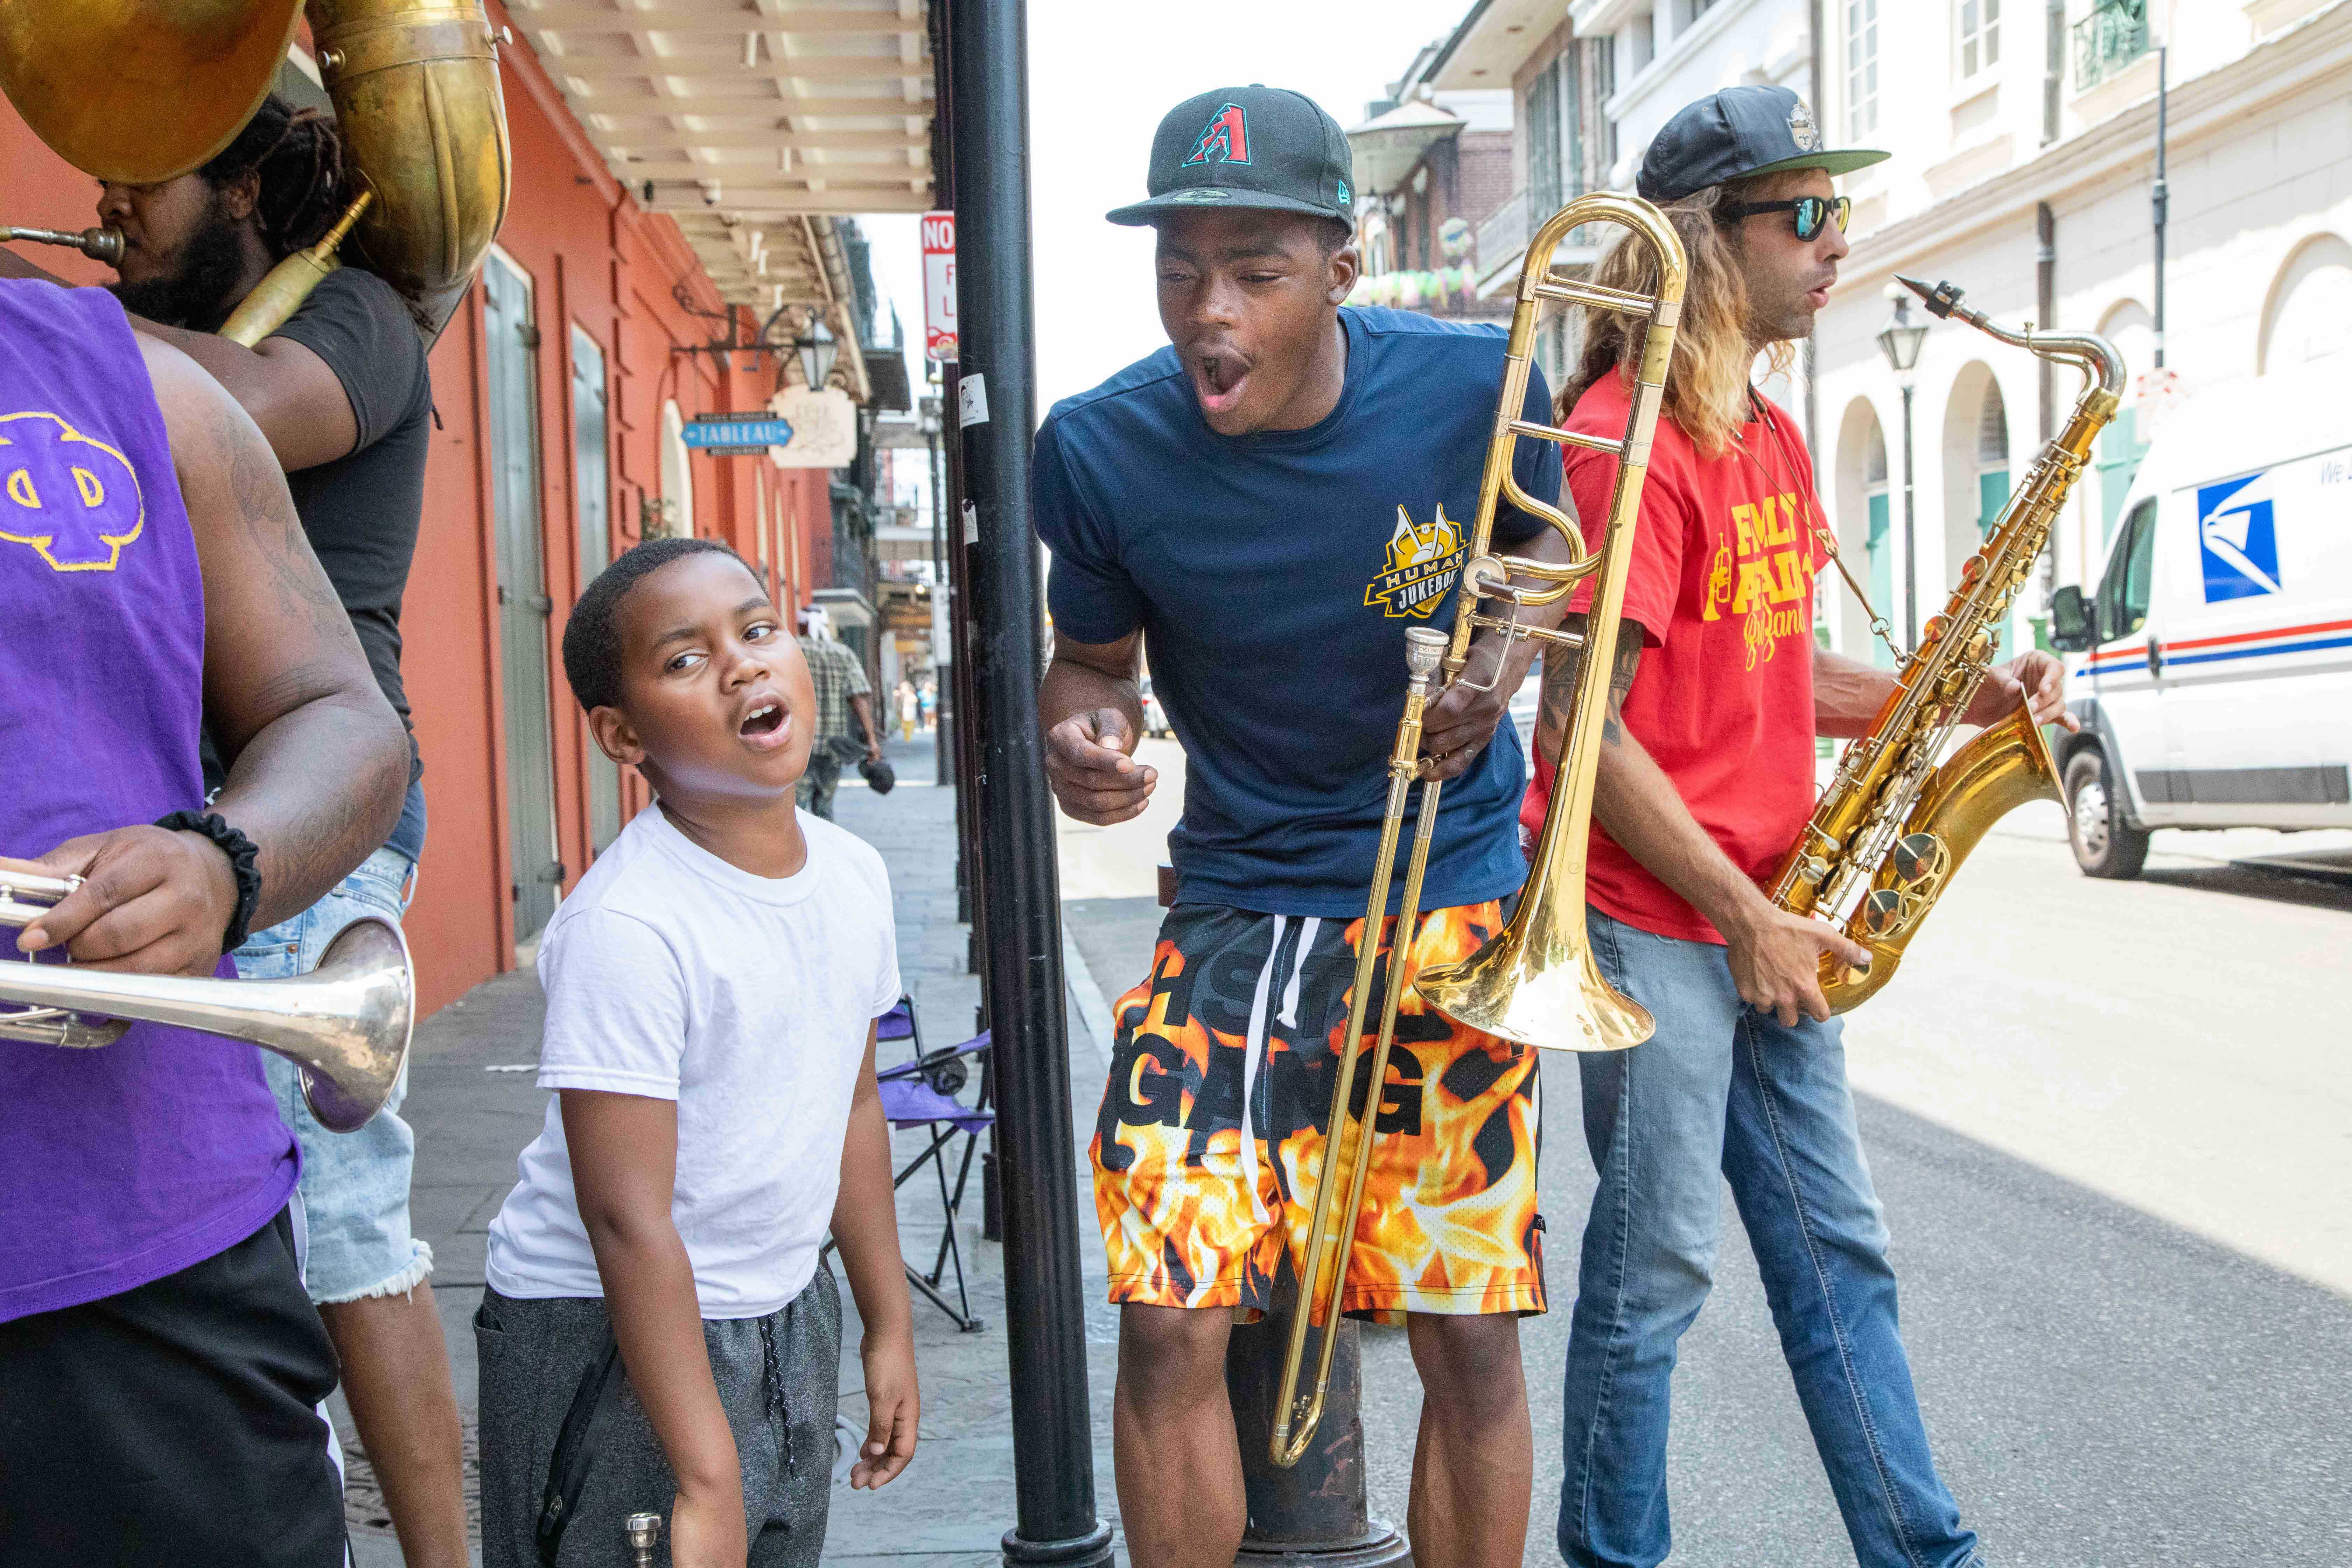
[673,974]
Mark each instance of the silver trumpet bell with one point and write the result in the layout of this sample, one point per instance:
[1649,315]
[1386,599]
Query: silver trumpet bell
[346,1023]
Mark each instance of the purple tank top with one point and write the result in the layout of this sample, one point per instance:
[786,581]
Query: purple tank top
[119,1165]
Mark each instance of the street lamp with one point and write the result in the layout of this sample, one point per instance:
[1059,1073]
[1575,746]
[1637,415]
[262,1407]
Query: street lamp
[817,350]
[1899,341]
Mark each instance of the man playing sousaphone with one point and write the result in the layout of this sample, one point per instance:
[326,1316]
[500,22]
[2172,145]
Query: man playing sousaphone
[159,1361]
[342,392]
[1705,776]
[1273,502]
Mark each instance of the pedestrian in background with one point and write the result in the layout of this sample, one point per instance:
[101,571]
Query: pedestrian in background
[906,709]
[843,693]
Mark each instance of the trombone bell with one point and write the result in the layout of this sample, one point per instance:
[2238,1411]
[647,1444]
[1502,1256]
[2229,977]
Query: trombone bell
[346,1023]
[1536,984]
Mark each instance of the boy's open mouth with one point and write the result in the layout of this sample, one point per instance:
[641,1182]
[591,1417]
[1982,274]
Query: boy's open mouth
[765,726]
[1218,379]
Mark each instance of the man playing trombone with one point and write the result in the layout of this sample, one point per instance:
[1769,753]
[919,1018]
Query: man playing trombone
[1272,501]
[160,1364]
[1705,777]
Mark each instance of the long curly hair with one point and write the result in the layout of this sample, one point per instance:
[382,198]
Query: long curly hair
[1707,380]
[295,156]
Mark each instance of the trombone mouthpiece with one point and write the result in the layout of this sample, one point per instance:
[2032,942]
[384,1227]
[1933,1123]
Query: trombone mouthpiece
[1424,650]
[643,1531]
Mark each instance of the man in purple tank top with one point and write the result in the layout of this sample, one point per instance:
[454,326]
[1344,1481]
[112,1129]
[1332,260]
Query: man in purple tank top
[160,1364]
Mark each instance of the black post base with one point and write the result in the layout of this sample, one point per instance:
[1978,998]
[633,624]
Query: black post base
[1092,1549]
[1381,1546]
[1313,1513]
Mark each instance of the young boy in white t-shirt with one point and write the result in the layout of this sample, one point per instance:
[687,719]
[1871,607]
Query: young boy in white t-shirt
[712,985]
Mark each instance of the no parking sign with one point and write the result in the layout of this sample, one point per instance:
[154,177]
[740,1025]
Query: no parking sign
[939,287]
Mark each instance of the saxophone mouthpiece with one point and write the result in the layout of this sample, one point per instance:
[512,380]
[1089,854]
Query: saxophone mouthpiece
[1941,299]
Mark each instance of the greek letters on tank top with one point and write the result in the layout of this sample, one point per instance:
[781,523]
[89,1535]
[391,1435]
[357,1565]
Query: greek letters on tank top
[119,1165]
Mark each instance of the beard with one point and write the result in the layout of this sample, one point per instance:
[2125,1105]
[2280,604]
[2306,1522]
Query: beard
[194,293]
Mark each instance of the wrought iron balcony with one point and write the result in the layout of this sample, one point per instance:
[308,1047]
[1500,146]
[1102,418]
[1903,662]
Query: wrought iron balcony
[2113,36]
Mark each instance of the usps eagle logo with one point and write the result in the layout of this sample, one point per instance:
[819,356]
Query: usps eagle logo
[1224,140]
[1423,562]
[2237,537]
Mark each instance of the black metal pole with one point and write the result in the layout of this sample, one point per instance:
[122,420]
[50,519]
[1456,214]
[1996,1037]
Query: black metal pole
[2162,197]
[1910,532]
[1053,1435]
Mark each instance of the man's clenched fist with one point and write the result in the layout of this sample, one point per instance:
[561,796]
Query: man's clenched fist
[1092,776]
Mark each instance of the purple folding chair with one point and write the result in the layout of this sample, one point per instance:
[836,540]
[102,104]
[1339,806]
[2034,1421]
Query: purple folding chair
[921,1093]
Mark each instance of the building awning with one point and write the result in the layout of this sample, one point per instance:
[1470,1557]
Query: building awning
[751,125]
[1493,41]
[1384,150]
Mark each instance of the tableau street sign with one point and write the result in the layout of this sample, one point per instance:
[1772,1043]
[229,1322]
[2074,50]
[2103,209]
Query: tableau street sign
[737,434]
[939,287]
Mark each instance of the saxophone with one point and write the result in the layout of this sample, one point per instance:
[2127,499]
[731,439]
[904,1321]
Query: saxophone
[1893,825]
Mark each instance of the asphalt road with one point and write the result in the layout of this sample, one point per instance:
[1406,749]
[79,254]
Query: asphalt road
[2112,1126]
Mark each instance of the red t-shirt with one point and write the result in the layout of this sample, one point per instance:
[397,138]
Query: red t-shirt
[1722,582]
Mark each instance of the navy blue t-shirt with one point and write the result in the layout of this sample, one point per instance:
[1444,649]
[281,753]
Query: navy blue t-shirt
[1274,576]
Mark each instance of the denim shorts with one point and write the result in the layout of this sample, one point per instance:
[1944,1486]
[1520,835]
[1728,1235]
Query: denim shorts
[355,1186]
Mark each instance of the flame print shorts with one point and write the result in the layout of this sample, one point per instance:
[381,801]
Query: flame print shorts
[1245,1009]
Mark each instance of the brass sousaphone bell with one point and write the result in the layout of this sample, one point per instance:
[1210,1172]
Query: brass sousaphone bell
[346,1023]
[143,91]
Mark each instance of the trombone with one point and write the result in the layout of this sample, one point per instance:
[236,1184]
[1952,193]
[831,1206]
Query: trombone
[346,1023]
[1536,982]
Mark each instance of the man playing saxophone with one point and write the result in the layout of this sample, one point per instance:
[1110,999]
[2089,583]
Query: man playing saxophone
[1706,777]
[160,1363]
[342,392]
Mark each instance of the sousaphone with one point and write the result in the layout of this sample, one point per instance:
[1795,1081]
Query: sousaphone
[141,91]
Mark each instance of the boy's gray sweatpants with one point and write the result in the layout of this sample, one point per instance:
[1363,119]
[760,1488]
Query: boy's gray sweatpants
[779,1377]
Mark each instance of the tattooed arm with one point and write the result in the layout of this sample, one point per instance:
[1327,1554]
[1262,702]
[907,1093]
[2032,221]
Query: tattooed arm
[1458,725]
[318,761]
[1775,956]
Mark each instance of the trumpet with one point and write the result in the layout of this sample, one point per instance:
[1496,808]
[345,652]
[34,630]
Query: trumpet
[346,1023]
[1536,982]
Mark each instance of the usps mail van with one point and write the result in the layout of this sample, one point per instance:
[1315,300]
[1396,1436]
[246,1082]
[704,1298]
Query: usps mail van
[2214,675]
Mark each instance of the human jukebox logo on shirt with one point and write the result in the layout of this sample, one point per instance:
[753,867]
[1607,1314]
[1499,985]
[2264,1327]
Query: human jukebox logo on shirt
[1423,563]
[70,498]
[1760,575]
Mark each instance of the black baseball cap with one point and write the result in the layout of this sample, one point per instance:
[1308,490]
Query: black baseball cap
[1257,146]
[1731,134]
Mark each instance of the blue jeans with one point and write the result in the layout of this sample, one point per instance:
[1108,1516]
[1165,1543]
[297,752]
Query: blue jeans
[355,1186]
[1721,1088]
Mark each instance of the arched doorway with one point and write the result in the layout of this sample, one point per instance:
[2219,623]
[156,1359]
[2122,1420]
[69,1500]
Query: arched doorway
[677,500]
[2121,446]
[1866,520]
[2309,316]
[1976,474]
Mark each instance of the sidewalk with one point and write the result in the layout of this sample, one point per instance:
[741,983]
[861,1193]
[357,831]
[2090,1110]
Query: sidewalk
[472,1117]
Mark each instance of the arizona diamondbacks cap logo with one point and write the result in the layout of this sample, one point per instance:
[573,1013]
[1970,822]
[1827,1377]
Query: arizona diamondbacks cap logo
[1807,134]
[1422,564]
[1224,140]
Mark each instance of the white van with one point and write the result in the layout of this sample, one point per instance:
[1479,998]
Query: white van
[2215,677]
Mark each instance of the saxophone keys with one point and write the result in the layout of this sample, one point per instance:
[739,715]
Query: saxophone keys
[1880,913]
[1920,862]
